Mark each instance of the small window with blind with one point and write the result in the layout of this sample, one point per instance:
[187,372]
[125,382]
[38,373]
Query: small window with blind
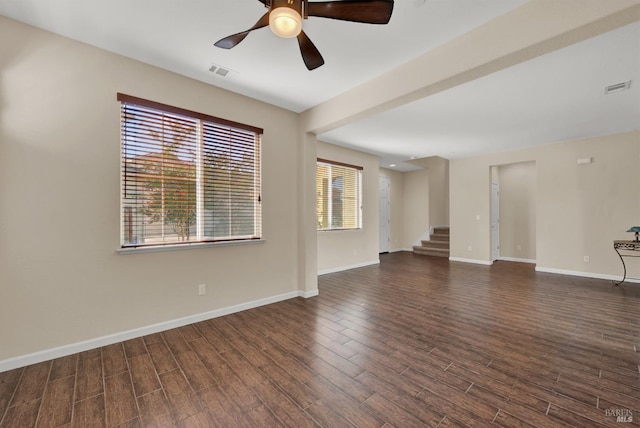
[186,177]
[338,195]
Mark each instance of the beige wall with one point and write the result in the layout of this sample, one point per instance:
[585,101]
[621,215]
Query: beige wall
[342,249]
[438,183]
[438,191]
[415,205]
[422,201]
[419,201]
[61,280]
[581,209]
[517,183]
[307,226]
[397,208]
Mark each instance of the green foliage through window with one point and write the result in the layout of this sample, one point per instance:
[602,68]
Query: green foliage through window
[187,178]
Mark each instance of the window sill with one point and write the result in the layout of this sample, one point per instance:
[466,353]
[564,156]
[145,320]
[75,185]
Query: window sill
[177,247]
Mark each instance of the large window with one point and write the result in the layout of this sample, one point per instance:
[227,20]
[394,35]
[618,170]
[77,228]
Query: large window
[338,195]
[187,177]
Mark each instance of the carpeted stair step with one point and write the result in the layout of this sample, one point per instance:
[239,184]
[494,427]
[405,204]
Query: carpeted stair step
[439,237]
[437,245]
[430,251]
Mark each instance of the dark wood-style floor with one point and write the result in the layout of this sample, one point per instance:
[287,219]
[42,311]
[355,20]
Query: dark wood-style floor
[416,341]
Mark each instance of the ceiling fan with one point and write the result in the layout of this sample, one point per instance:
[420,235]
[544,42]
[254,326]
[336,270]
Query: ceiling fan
[284,17]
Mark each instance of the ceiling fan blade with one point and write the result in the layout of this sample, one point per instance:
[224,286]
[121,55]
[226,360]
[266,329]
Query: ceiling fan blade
[310,54]
[367,11]
[230,41]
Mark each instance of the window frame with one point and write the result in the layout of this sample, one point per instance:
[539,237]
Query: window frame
[359,211]
[203,121]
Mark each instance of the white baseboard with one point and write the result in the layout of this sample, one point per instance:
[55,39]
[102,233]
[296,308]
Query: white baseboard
[586,274]
[515,259]
[341,268]
[62,351]
[308,294]
[474,261]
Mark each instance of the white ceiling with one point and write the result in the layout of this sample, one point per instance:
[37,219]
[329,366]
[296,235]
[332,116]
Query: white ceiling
[553,98]
[556,97]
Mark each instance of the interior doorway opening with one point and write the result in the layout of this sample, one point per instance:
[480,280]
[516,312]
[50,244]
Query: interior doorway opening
[513,212]
[384,234]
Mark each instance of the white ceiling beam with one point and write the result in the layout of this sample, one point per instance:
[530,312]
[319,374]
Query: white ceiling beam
[534,29]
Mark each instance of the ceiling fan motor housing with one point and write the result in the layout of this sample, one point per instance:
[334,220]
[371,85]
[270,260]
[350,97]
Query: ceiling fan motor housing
[297,5]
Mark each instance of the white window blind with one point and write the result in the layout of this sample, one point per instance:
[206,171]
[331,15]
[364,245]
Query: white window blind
[187,177]
[338,195]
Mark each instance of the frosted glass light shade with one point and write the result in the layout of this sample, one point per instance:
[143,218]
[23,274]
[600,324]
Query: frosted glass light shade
[285,22]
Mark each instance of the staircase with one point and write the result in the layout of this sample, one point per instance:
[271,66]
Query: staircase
[438,245]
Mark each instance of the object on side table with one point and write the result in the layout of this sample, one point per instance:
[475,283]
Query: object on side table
[635,229]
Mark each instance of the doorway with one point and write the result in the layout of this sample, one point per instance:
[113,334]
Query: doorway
[513,212]
[384,221]
[495,221]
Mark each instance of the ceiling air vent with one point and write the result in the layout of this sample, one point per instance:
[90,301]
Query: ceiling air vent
[221,71]
[617,87]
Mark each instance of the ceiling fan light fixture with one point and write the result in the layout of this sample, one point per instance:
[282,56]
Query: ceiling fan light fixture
[285,22]
[284,17]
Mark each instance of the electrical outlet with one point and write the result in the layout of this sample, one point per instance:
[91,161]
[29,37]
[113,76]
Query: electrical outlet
[202,289]
[586,259]
[519,248]
[469,248]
